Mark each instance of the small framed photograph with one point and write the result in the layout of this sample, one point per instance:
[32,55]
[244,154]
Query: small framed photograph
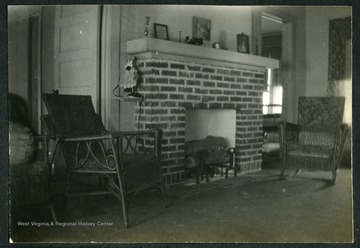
[201,28]
[161,31]
[243,43]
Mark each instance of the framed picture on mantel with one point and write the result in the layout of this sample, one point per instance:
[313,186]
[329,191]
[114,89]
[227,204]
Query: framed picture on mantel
[161,31]
[201,28]
[242,43]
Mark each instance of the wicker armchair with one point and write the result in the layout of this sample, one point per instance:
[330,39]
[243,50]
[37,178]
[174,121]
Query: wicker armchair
[317,141]
[124,162]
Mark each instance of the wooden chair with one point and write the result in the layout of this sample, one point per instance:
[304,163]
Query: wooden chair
[125,162]
[317,141]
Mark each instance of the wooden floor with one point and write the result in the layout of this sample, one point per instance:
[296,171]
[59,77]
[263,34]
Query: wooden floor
[256,207]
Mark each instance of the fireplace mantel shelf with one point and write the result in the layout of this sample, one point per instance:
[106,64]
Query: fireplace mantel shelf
[157,48]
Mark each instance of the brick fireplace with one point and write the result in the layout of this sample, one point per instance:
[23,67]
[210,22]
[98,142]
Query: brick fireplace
[172,84]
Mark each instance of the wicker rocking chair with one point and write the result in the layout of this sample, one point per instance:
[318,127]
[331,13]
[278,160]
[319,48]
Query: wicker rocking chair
[317,142]
[124,162]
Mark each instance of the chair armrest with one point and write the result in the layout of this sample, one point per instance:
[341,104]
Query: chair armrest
[288,134]
[144,141]
[290,127]
[88,137]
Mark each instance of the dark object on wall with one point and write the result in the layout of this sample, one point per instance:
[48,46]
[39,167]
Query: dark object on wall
[194,41]
[202,156]
[339,33]
[242,43]
[317,141]
[124,162]
[161,31]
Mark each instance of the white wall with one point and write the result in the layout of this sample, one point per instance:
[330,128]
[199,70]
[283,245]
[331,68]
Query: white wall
[226,21]
[317,46]
[18,29]
[18,57]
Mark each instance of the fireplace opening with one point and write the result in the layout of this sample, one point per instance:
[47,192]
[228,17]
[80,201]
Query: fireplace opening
[200,124]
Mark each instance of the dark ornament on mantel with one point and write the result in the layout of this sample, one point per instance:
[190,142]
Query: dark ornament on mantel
[194,41]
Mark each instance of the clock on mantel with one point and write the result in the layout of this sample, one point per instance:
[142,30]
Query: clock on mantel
[157,48]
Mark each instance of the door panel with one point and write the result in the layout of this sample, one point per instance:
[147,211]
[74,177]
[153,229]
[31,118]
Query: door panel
[34,91]
[76,51]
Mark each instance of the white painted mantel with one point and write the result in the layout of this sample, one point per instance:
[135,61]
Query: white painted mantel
[164,49]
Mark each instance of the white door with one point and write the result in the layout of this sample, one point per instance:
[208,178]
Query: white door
[76,50]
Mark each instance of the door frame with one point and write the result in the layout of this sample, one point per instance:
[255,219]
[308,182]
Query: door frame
[35,16]
[110,64]
[287,63]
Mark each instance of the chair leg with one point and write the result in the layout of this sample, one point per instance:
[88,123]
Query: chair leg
[212,171]
[124,206]
[334,175]
[67,194]
[197,178]
[282,172]
[125,212]
[163,195]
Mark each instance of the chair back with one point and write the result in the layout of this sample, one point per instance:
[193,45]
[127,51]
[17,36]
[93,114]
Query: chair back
[319,118]
[320,112]
[72,114]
